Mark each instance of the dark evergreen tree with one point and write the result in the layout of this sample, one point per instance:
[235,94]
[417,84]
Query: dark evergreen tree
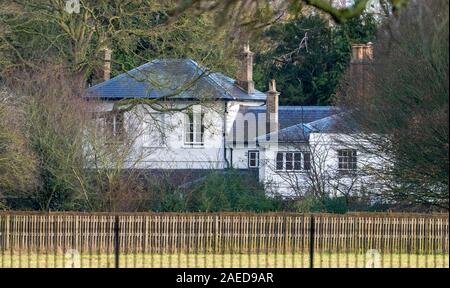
[309,57]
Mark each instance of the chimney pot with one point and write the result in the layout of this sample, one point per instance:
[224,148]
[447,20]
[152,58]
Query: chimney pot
[362,53]
[272,86]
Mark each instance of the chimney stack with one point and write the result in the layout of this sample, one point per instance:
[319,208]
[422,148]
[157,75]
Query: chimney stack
[362,53]
[106,53]
[272,107]
[360,66]
[245,70]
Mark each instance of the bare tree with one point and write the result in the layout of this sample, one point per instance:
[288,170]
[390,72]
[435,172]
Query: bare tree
[259,14]
[404,112]
[17,162]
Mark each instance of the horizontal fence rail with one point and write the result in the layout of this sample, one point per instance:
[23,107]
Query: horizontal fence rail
[223,240]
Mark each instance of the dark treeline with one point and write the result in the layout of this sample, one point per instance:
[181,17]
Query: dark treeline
[48,57]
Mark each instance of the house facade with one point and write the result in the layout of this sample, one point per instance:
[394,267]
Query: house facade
[183,117]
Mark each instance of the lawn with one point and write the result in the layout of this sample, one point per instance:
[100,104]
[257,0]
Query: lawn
[325,260]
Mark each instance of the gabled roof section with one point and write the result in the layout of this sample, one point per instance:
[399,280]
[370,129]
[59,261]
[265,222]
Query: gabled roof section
[294,134]
[335,123]
[293,120]
[178,79]
[292,115]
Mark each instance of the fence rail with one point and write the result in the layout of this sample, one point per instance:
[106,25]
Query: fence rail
[223,240]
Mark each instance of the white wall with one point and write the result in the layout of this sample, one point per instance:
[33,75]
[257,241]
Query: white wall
[160,137]
[150,152]
[323,175]
[286,183]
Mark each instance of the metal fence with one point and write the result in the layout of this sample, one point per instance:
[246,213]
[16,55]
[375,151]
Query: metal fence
[223,240]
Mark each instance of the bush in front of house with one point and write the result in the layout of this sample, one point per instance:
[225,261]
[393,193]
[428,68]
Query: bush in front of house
[231,190]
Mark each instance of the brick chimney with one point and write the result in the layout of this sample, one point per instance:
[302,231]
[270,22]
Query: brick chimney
[106,58]
[362,53]
[272,107]
[360,65]
[244,77]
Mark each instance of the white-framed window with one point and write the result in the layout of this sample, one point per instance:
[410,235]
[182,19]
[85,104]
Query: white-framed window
[253,159]
[114,126]
[292,161]
[194,128]
[347,160]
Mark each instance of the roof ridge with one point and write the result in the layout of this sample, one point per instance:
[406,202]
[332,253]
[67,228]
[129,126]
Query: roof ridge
[223,87]
[121,75]
[208,76]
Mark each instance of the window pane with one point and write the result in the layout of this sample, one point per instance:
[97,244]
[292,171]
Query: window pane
[189,128]
[289,158]
[194,128]
[253,159]
[347,159]
[198,137]
[297,161]
[280,161]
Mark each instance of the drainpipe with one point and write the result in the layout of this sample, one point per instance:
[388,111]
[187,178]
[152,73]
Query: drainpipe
[224,135]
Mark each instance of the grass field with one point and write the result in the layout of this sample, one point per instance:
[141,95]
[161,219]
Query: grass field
[323,260]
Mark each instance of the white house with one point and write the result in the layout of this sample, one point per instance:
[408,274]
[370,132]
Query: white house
[193,119]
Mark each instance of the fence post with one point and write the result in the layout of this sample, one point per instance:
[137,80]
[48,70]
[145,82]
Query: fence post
[312,231]
[116,241]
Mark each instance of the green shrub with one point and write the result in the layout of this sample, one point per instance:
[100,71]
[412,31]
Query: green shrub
[313,204]
[230,191]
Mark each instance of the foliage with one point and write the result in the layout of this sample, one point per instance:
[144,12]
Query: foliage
[229,191]
[54,126]
[256,14]
[137,32]
[17,163]
[314,204]
[310,75]
[409,104]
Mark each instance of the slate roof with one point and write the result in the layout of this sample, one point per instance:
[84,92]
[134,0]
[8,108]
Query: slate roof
[292,115]
[294,121]
[177,78]
[335,123]
[293,134]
